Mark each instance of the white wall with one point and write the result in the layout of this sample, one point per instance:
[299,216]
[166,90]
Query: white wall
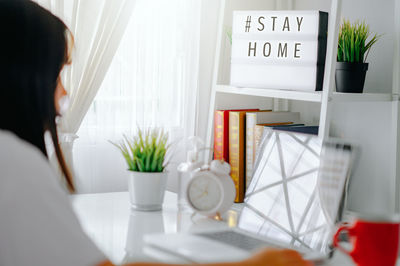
[368,125]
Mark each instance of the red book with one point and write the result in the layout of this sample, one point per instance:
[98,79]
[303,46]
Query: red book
[221,133]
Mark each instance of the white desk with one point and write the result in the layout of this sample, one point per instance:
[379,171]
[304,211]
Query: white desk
[118,231]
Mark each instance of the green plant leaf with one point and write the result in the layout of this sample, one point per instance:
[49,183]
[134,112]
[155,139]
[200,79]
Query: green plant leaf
[352,43]
[146,151]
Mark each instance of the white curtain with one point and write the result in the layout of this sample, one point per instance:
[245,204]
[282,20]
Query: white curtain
[97,26]
[152,81]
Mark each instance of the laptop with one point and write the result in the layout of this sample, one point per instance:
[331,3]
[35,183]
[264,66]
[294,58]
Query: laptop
[294,199]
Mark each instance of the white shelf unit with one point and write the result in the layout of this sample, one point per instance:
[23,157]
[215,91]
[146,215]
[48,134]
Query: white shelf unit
[282,94]
[326,98]
[306,96]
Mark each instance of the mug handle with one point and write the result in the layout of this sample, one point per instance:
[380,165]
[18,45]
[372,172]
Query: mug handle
[336,240]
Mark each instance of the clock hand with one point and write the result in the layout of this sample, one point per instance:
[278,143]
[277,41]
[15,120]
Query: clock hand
[208,184]
[204,193]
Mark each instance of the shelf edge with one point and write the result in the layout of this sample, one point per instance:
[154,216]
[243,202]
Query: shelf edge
[272,93]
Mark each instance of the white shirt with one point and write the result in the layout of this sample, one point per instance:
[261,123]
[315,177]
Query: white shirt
[37,224]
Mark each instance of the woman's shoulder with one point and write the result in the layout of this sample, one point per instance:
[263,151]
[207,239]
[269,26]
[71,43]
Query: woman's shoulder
[34,209]
[15,150]
[21,160]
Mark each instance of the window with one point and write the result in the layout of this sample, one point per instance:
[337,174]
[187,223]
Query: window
[152,81]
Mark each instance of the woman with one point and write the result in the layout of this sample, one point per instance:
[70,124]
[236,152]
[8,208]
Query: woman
[37,223]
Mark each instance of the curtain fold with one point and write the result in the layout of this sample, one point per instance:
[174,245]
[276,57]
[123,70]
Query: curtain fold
[98,27]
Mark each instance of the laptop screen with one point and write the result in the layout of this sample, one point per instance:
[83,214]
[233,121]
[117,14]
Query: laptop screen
[296,190]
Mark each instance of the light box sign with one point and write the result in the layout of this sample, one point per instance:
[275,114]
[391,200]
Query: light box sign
[279,49]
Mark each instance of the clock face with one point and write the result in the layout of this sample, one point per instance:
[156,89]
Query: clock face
[204,192]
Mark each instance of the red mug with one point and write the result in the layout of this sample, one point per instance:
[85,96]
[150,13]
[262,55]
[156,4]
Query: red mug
[374,243]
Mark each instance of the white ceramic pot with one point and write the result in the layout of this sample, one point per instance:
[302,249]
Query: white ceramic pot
[146,190]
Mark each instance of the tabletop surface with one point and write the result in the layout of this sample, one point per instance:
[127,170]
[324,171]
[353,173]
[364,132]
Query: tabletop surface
[118,231]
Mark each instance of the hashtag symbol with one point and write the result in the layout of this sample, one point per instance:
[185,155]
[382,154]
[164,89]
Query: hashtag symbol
[248,21]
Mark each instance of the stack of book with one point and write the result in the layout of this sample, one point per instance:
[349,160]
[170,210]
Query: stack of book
[237,134]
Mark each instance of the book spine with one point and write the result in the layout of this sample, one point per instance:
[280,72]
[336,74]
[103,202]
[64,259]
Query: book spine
[258,133]
[236,147]
[250,125]
[218,135]
[225,141]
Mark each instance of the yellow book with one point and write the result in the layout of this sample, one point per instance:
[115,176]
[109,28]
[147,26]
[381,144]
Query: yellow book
[236,152]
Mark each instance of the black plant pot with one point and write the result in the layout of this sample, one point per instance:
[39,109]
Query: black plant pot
[350,77]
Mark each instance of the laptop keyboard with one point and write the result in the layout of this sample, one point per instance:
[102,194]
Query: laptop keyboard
[236,239]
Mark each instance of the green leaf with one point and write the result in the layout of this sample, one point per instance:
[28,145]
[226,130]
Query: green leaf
[352,43]
[146,151]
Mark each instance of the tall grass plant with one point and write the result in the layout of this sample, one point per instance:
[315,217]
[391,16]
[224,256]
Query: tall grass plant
[353,43]
[146,151]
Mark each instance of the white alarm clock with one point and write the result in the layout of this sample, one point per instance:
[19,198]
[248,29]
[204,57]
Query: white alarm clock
[211,190]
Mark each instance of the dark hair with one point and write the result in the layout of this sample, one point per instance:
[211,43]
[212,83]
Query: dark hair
[35,47]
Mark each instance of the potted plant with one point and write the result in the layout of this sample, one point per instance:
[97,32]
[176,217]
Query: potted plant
[145,155]
[353,49]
